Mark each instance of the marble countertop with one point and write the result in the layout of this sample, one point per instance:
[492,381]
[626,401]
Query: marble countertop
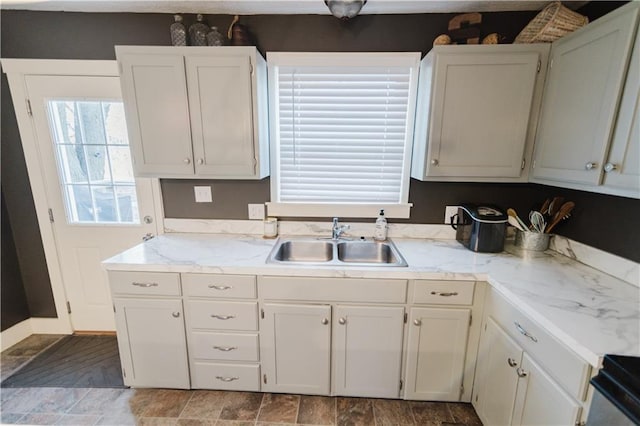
[591,312]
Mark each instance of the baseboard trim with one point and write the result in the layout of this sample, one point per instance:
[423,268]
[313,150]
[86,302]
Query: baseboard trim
[15,334]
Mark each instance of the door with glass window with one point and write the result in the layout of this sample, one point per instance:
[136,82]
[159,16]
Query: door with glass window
[97,206]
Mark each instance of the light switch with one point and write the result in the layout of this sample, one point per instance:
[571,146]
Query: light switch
[203,194]
[256,211]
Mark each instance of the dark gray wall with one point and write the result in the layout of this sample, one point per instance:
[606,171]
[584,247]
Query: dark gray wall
[59,35]
[12,296]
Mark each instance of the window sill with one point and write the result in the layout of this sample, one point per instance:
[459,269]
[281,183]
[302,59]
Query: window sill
[393,211]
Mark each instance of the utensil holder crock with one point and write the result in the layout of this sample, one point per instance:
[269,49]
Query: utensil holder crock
[534,241]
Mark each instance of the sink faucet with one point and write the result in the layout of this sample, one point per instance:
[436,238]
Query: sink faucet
[337,229]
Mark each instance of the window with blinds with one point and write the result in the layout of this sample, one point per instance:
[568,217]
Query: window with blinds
[342,127]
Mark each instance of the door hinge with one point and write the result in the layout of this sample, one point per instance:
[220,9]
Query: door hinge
[51,216]
[524,162]
[250,68]
[476,397]
[262,315]
[405,318]
[539,65]
[29,110]
[485,326]
[120,67]
[470,319]
[114,309]
[68,307]
[401,384]
[264,378]
[533,165]
[124,373]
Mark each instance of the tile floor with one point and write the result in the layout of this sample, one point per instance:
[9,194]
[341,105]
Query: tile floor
[96,406]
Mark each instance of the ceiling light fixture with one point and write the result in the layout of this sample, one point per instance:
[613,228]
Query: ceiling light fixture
[345,9]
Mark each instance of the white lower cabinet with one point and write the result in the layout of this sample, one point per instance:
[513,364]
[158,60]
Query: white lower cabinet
[295,348]
[436,353]
[151,341]
[367,350]
[517,377]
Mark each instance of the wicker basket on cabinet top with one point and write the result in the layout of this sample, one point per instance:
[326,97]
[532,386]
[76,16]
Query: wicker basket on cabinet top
[553,22]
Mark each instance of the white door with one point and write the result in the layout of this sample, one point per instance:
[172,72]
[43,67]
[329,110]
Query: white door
[584,83]
[98,207]
[436,351]
[540,400]
[367,350]
[294,348]
[152,344]
[498,359]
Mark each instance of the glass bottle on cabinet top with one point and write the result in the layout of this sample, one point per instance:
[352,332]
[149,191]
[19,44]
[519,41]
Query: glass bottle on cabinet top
[214,38]
[178,32]
[198,32]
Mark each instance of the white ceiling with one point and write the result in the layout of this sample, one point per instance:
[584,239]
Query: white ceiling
[259,7]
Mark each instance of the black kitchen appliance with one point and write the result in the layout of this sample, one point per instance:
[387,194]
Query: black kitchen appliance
[480,227]
[617,397]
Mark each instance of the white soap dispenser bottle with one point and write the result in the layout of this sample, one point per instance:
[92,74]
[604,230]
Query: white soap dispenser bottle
[380,232]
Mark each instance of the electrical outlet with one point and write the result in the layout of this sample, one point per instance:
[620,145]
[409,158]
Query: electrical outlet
[448,212]
[256,211]
[203,194]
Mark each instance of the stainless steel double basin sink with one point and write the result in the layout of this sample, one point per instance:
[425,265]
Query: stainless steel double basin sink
[341,252]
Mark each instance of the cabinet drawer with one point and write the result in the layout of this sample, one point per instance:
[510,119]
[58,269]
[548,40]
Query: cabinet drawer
[333,289]
[220,315]
[224,346]
[227,286]
[443,292]
[560,362]
[208,375]
[147,283]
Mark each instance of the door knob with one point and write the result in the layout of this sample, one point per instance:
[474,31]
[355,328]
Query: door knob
[435,162]
[325,321]
[186,160]
[590,165]
[148,220]
[342,321]
[200,161]
[609,167]
[417,322]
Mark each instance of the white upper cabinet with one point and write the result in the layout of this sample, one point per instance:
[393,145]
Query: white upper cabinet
[196,111]
[477,110]
[622,169]
[586,76]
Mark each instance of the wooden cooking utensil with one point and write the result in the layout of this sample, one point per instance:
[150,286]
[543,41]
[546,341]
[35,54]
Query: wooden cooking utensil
[561,214]
[555,205]
[512,213]
[545,206]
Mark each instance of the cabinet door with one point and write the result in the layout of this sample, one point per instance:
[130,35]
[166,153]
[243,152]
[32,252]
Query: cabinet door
[584,83]
[367,350]
[624,157]
[154,91]
[152,344]
[540,400]
[436,353]
[480,114]
[497,380]
[221,108]
[295,348]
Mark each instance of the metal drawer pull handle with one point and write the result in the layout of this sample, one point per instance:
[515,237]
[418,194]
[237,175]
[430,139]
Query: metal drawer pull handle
[521,372]
[525,332]
[225,348]
[222,317]
[511,362]
[227,379]
[220,287]
[444,293]
[137,284]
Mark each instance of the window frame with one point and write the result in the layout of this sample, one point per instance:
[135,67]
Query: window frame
[347,59]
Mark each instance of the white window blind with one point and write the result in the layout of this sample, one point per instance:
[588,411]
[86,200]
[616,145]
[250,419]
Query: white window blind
[343,128]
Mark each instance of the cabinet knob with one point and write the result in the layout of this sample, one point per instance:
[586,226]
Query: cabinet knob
[176,314]
[511,362]
[417,322]
[609,167]
[342,321]
[201,161]
[435,162]
[325,321]
[590,165]
[521,372]
[187,161]
[148,220]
